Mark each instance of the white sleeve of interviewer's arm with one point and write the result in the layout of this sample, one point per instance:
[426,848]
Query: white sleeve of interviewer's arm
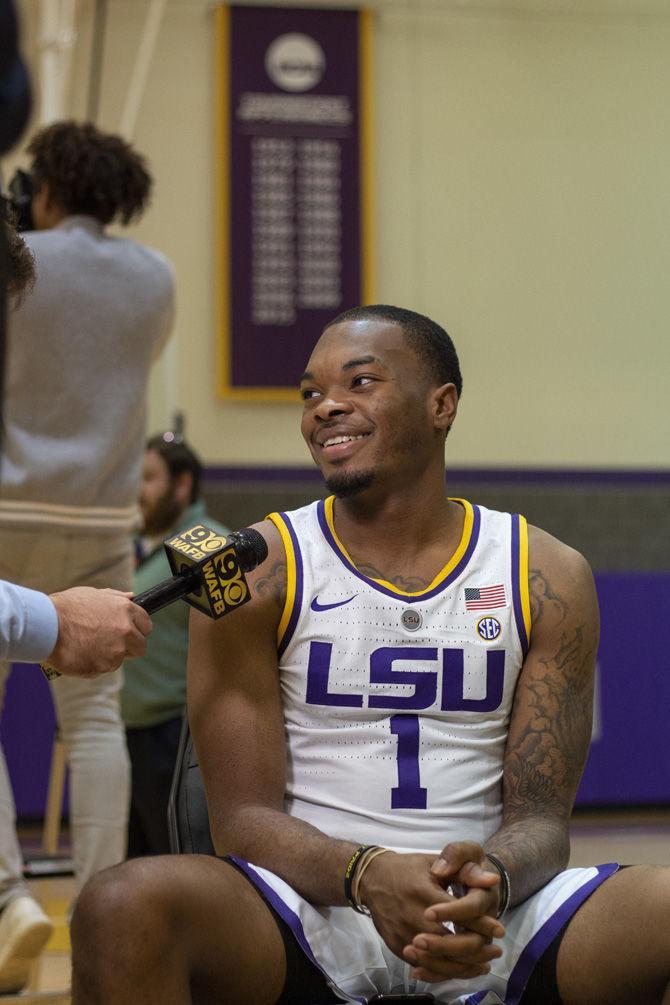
[28,624]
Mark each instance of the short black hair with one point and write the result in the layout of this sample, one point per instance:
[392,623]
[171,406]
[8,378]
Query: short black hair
[431,343]
[178,457]
[90,172]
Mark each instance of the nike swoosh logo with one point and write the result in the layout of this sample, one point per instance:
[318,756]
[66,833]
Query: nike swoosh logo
[316,606]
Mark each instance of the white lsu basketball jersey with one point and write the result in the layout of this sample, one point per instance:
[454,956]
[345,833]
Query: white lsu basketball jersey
[397,704]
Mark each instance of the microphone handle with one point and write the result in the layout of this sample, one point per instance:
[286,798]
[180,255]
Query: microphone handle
[167,592]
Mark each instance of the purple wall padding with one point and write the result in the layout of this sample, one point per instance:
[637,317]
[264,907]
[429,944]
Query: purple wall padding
[28,728]
[629,760]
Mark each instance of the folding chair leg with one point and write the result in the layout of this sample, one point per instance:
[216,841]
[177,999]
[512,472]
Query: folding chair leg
[54,807]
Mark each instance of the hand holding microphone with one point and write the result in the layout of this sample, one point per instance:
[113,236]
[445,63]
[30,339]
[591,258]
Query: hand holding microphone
[97,630]
[208,573]
[208,570]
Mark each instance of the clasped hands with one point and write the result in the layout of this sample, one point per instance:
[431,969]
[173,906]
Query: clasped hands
[413,897]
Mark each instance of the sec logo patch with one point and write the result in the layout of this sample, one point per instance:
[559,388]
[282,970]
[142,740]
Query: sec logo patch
[489,628]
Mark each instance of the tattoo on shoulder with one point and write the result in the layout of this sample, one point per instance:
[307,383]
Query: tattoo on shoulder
[273,584]
[408,584]
[543,600]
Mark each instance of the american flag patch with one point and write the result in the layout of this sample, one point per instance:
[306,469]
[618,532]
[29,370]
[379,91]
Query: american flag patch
[480,598]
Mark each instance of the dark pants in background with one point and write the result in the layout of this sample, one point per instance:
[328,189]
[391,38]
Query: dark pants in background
[153,752]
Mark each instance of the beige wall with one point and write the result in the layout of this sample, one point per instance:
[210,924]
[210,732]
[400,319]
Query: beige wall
[523,200]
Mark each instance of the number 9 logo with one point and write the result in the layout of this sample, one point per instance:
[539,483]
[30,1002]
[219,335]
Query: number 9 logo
[196,534]
[234,586]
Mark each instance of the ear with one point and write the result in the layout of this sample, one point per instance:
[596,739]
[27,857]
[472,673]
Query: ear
[48,201]
[445,406]
[183,486]
[47,211]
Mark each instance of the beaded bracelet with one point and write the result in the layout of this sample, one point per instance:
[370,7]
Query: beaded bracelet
[506,891]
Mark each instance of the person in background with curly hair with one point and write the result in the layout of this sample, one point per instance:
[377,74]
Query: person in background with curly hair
[80,349]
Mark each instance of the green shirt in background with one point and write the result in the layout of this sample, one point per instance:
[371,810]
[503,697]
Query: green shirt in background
[154,688]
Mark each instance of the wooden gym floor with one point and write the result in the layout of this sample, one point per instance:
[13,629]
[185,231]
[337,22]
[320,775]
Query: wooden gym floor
[624,836]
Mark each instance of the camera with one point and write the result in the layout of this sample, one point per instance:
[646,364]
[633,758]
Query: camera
[21,198]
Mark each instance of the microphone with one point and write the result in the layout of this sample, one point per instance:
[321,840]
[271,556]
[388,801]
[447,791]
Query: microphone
[208,573]
[208,570]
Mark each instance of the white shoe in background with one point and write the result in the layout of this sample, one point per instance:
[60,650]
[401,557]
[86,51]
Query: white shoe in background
[24,932]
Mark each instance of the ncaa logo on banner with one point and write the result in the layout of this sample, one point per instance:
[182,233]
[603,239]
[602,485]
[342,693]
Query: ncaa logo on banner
[488,628]
[295,62]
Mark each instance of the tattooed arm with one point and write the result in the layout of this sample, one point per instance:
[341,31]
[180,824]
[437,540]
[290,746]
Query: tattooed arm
[550,728]
[548,740]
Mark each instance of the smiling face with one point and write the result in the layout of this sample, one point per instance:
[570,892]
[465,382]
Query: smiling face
[371,412]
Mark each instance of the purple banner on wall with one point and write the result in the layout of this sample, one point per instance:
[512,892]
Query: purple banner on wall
[293,214]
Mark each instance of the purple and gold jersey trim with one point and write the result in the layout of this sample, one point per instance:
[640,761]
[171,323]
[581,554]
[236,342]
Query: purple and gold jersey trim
[294,580]
[520,588]
[450,572]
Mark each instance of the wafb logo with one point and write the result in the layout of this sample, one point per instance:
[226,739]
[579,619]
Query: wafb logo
[225,583]
[489,628]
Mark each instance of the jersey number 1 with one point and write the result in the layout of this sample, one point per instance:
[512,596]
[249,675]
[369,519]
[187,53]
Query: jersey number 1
[409,794]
